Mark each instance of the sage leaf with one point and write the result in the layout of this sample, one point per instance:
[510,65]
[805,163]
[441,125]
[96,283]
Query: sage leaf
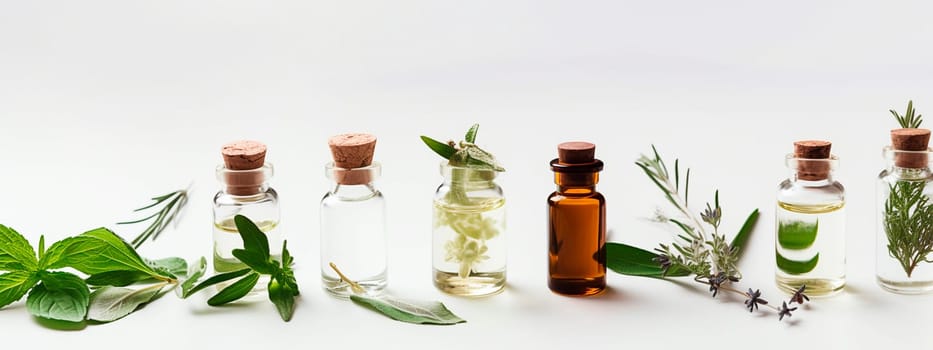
[60,296]
[195,272]
[101,250]
[410,311]
[738,242]
[235,291]
[283,296]
[254,239]
[442,149]
[16,254]
[215,280]
[109,304]
[256,261]
[14,285]
[471,134]
[117,278]
[634,261]
[169,267]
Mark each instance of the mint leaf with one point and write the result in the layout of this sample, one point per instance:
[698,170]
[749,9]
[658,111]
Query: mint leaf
[215,280]
[60,296]
[235,291]
[195,272]
[53,258]
[471,134]
[113,303]
[101,250]
[634,261]
[442,149]
[254,239]
[117,278]
[14,285]
[410,311]
[16,254]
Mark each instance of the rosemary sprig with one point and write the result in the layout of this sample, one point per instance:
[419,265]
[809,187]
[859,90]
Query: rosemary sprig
[704,253]
[174,202]
[908,224]
[909,120]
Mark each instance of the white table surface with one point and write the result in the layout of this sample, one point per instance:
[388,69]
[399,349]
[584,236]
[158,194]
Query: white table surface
[105,103]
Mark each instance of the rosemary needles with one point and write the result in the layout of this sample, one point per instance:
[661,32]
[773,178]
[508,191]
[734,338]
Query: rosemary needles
[172,203]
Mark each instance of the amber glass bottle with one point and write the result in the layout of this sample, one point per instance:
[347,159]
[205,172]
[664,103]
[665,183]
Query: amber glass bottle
[577,223]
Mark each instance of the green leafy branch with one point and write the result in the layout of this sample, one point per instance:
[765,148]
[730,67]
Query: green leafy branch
[910,120]
[908,224]
[282,288]
[702,251]
[404,310]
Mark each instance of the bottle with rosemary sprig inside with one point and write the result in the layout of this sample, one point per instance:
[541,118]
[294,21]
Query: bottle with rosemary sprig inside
[810,218]
[469,249]
[244,179]
[905,232]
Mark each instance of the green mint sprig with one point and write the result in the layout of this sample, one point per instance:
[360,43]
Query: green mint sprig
[465,153]
[282,288]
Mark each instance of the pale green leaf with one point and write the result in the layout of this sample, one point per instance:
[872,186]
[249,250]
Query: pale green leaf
[195,272]
[411,311]
[471,134]
[113,303]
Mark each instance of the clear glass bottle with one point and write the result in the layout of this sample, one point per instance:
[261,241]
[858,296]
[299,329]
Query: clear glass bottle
[353,232]
[247,193]
[809,240]
[469,232]
[904,242]
[576,223]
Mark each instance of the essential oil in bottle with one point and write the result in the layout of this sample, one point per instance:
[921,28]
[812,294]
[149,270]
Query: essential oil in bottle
[244,179]
[577,223]
[353,218]
[810,222]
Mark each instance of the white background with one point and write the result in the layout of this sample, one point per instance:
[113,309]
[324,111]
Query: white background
[106,103]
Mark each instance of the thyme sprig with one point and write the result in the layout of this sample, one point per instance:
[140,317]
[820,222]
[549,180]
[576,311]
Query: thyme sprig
[174,202]
[701,250]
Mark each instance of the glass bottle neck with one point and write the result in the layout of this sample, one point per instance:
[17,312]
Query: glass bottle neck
[354,192]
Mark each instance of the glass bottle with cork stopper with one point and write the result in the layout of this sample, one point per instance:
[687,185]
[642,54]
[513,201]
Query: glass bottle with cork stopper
[244,179]
[905,232]
[576,222]
[809,241]
[353,218]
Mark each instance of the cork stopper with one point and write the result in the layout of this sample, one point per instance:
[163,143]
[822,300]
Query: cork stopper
[352,151]
[576,152]
[910,140]
[811,156]
[240,157]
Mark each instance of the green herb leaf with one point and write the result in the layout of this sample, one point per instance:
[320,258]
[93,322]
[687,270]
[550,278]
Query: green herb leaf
[171,267]
[235,291]
[117,278]
[794,267]
[54,257]
[256,261]
[60,296]
[195,272]
[738,242]
[100,250]
[283,296]
[444,150]
[471,134]
[254,239]
[215,280]
[14,285]
[410,311]
[113,303]
[634,261]
[16,254]
[797,235]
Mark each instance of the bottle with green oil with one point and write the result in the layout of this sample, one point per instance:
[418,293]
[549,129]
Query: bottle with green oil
[245,190]
[810,223]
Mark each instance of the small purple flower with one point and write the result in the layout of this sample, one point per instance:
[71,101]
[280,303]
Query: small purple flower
[799,297]
[785,311]
[754,298]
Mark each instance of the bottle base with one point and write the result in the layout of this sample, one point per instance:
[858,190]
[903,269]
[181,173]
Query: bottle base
[905,287]
[475,285]
[577,286]
[373,286]
[816,287]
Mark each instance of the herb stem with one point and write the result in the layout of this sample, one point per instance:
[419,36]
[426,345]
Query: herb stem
[353,285]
